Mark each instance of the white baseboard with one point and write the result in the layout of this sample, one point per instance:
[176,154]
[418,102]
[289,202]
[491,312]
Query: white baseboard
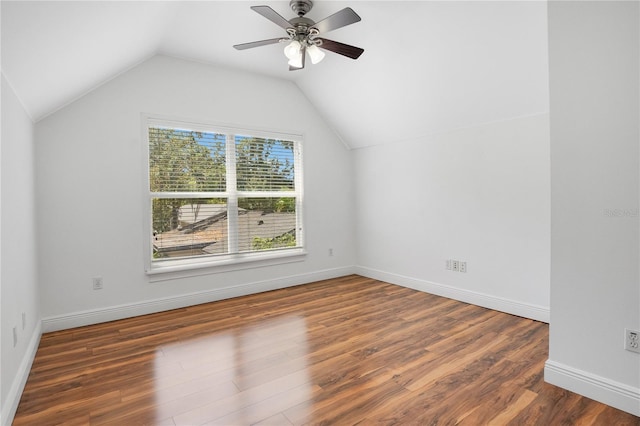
[618,395]
[20,379]
[538,313]
[95,316]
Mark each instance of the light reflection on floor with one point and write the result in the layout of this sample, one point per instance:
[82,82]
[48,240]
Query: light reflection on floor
[241,376]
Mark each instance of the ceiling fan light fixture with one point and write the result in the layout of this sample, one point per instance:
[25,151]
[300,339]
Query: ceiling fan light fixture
[293,50]
[315,54]
[303,34]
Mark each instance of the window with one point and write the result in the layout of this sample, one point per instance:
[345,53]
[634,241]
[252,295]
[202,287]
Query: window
[220,196]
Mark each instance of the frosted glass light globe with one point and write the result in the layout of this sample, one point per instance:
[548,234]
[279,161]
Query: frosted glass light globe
[292,50]
[315,54]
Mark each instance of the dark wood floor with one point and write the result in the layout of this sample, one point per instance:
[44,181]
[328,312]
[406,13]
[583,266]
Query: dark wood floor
[339,352]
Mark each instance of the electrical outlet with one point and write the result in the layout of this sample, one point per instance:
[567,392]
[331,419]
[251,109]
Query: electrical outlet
[330,252]
[463,267]
[15,336]
[24,320]
[632,340]
[455,265]
[97,283]
[448,264]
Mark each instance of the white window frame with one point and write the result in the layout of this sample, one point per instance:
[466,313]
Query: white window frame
[203,265]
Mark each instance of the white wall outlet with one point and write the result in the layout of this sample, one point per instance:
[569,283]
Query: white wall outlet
[463,267]
[455,265]
[15,336]
[632,340]
[448,265]
[330,252]
[97,283]
[24,320]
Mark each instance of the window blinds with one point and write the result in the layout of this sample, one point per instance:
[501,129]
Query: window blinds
[215,193]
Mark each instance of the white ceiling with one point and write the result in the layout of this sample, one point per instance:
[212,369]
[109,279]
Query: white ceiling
[428,67]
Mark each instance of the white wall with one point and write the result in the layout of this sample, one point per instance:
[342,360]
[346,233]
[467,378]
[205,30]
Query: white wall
[595,281]
[89,174]
[18,277]
[480,195]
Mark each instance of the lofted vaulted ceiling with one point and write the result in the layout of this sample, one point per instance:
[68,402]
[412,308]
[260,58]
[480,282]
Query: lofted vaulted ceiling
[428,66]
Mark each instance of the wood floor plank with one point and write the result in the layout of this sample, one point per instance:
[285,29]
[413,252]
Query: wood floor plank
[521,400]
[350,350]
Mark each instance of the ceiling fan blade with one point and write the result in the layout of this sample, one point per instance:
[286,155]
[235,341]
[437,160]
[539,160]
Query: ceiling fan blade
[273,16]
[304,56]
[341,48]
[339,19]
[253,44]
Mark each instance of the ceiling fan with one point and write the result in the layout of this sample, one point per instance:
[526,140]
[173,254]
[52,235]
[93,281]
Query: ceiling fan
[303,34]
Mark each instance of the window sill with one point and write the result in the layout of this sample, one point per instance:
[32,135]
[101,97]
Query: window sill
[184,268]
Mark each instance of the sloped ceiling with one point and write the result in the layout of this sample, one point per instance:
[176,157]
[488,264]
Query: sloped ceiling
[428,67]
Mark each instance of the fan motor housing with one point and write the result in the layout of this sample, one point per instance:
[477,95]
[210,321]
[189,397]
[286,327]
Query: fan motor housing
[302,22]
